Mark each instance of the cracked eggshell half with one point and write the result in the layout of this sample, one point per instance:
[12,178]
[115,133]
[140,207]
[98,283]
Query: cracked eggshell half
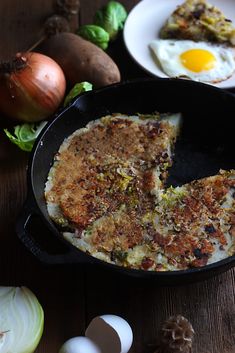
[111,333]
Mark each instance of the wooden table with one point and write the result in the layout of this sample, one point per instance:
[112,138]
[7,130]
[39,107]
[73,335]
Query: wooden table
[72,296]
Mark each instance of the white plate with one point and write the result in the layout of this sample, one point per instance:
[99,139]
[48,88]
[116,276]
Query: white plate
[144,23]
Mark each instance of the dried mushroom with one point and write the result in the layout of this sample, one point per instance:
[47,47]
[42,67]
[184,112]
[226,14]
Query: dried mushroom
[56,24]
[67,8]
[176,336]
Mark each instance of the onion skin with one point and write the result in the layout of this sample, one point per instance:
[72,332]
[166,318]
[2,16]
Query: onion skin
[33,92]
[81,60]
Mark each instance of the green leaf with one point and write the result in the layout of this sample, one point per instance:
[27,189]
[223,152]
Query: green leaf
[76,90]
[111,17]
[25,135]
[94,34]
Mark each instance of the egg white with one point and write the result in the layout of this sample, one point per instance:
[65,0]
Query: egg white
[168,51]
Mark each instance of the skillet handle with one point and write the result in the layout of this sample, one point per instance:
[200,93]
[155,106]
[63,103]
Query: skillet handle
[67,253]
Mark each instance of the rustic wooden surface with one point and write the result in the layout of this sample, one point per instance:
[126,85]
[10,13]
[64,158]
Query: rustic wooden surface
[72,296]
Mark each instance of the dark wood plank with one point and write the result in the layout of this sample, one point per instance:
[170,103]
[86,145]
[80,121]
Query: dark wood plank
[22,23]
[72,296]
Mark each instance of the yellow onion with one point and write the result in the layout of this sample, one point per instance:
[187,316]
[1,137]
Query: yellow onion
[32,87]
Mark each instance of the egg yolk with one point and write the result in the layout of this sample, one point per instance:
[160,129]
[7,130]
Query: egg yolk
[198,60]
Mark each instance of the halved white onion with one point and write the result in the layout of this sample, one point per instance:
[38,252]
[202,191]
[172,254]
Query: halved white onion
[21,320]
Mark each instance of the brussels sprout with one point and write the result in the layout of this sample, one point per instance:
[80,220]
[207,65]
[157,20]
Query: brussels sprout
[25,135]
[111,17]
[76,90]
[94,34]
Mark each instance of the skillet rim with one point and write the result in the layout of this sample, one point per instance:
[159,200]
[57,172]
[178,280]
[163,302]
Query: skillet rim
[177,274]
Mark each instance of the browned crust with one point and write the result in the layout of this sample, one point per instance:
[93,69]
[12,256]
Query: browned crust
[106,167]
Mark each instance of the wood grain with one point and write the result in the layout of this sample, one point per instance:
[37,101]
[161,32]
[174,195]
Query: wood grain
[208,305]
[72,296]
[22,23]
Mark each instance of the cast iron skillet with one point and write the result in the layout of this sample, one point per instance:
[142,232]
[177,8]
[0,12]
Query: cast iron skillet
[206,145]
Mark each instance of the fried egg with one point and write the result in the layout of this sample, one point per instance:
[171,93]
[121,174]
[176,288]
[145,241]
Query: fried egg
[199,61]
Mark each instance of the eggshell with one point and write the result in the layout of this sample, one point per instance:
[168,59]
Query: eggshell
[111,333]
[79,345]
